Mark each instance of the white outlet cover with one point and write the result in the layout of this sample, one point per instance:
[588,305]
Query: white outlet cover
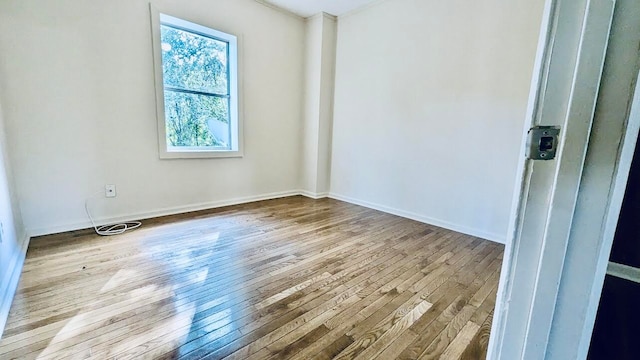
[110,190]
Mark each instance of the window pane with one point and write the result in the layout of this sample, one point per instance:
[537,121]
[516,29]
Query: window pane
[193,62]
[196,120]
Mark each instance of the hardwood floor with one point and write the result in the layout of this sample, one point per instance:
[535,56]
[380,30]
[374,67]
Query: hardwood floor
[288,278]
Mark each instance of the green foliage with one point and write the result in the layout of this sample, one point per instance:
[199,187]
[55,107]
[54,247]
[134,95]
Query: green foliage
[198,63]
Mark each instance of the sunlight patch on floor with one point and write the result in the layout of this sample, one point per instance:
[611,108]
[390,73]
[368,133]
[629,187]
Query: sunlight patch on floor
[121,277]
[87,321]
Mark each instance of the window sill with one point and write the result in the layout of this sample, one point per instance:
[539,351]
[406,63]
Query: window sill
[201,154]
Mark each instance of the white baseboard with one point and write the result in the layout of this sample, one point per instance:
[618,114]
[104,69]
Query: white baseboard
[313,195]
[499,238]
[162,212]
[7,294]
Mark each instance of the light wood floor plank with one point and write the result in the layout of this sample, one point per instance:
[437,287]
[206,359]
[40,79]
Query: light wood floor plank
[460,343]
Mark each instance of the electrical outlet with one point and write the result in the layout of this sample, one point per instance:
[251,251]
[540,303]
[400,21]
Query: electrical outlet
[110,190]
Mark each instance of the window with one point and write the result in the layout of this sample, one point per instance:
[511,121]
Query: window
[196,89]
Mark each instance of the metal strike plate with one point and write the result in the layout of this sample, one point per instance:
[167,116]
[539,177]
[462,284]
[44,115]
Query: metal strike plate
[542,142]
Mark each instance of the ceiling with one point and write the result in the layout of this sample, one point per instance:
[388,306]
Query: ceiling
[306,8]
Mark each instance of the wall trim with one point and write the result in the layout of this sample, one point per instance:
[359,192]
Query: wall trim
[161,212]
[323,14]
[495,237]
[8,293]
[313,195]
[361,9]
[280,9]
[498,238]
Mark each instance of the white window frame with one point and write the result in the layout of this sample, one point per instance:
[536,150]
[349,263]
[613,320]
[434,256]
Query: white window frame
[167,151]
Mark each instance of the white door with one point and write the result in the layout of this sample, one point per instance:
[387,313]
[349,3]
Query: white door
[562,220]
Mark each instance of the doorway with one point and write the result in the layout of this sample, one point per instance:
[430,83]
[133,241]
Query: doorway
[554,268]
[614,335]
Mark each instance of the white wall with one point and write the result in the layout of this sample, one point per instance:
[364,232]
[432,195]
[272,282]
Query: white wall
[12,234]
[327,88]
[430,98]
[311,109]
[78,77]
[319,76]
